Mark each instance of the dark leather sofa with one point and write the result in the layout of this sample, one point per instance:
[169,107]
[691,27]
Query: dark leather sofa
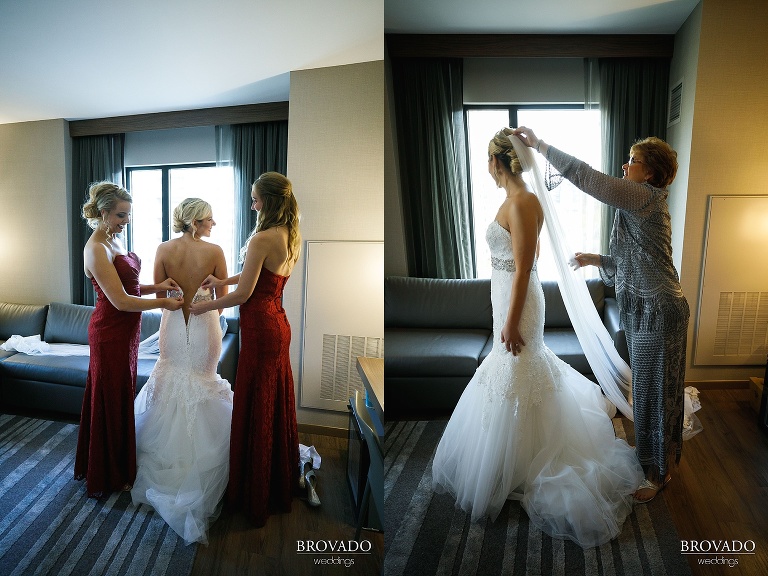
[57,383]
[438,331]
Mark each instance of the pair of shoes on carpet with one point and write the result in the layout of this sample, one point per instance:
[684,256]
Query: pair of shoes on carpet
[648,485]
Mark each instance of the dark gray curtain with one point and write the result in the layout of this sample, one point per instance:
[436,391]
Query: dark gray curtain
[251,149]
[437,208]
[94,158]
[633,104]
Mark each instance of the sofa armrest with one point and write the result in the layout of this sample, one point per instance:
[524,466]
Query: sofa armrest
[612,321]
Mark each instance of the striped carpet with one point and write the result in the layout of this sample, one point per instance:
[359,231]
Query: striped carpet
[49,526]
[425,534]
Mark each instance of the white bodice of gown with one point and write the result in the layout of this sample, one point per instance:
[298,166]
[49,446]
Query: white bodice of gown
[529,376]
[503,272]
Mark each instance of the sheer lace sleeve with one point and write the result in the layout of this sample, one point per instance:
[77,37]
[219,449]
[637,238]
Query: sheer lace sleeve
[616,192]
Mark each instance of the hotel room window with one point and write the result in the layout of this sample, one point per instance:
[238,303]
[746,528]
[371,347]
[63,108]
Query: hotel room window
[157,190]
[573,130]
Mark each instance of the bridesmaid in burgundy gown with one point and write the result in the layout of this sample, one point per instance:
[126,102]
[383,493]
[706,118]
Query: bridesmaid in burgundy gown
[264,446]
[106,443]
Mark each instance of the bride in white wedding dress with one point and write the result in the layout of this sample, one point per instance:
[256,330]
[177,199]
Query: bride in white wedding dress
[184,411]
[528,427]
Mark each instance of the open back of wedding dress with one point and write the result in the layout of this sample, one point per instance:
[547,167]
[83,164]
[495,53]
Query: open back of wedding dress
[183,419]
[531,428]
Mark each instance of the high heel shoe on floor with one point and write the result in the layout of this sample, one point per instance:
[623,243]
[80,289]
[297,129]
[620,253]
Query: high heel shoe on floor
[302,468]
[310,480]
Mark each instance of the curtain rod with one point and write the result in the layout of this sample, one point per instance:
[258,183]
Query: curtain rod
[530,45]
[181,119]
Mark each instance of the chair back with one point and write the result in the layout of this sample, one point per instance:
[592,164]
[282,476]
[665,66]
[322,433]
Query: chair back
[372,440]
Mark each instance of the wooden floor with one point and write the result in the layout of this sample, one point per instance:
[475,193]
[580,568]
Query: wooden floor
[237,548]
[720,489]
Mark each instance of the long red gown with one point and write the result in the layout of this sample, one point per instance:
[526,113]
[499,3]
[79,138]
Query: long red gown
[264,446]
[106,442]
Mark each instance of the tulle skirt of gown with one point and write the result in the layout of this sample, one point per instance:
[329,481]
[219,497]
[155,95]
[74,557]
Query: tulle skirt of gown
[183,420]
[531,428]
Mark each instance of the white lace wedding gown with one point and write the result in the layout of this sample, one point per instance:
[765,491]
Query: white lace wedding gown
[531,428]
[183,418]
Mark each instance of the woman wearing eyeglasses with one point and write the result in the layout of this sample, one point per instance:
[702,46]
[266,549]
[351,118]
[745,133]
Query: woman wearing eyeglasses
[654,312]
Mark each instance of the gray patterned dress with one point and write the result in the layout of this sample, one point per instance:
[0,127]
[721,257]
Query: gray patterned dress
[654,311]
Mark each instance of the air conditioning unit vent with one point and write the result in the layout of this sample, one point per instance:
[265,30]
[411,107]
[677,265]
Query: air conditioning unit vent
[675,103]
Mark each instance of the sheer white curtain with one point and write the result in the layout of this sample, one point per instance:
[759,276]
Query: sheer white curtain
[612,373]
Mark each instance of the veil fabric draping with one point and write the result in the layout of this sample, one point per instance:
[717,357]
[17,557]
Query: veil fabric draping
[612,372]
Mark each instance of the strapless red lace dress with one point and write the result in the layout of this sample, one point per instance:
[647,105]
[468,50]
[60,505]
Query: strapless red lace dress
[264,446]
[106,443]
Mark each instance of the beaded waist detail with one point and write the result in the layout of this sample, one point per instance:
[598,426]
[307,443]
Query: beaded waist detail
[504,265]
[202,297]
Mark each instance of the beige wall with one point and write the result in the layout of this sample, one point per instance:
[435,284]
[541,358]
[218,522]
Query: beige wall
[684,67]
[34,196]
[335,162]
[729,130]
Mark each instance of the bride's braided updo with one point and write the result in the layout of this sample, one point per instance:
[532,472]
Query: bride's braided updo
[501,147]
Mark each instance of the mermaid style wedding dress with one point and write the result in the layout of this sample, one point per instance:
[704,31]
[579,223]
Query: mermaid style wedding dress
[531,428]
[183,418]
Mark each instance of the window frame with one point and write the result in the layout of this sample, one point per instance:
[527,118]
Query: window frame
[165,191]
[512,111]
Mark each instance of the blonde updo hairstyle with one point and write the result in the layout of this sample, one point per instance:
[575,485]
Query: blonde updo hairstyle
[279,208]
[186,214]
[501,147]
[659,157]
[103,197]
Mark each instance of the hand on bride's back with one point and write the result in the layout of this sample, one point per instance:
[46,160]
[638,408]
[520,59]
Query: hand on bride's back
[211,282]
[169,285]
[174,303]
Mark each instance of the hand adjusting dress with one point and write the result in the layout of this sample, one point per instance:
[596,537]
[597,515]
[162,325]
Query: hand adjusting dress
[106,442]
[183,418]
[531,428]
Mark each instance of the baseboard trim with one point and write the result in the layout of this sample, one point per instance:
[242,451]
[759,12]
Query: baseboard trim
[718,384]
[323,430]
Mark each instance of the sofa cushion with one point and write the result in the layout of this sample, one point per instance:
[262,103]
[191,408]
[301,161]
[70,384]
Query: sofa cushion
[5,353]
[437,303]
[68,370]
[21,319]
[555,314]
[150,322]
[565,344]
[425,352]
[67,323]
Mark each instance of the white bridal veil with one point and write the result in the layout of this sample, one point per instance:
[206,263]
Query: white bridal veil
[610,369]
